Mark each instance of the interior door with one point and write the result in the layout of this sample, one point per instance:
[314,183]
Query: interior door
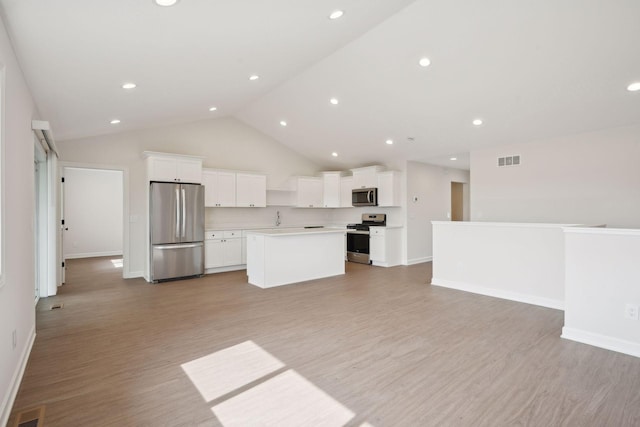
[457,202]
[165,213]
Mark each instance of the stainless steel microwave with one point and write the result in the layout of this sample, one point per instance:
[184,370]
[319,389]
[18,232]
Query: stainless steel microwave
[364,197]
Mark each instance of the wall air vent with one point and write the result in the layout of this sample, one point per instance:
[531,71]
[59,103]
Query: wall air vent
[508,161]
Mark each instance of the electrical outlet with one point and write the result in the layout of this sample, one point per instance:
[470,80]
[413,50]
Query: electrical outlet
[14,339]
[631,311]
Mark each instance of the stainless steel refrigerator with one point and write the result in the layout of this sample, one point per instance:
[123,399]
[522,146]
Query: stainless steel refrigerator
[176,221]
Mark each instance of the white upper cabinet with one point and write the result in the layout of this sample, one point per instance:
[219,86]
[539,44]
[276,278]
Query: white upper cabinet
[219,188]
[366,177]
[388,188]
[173,167]
[309,192]
[251,190]
[346,187]
[331,189]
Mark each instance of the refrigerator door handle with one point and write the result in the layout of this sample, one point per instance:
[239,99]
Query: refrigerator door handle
[177,213]
[185,246]
[184,213]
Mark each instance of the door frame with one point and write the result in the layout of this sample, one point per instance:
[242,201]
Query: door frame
[126,255]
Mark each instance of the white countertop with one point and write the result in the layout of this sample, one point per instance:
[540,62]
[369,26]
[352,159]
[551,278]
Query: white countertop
[295,231]
[286,227]
[264,227]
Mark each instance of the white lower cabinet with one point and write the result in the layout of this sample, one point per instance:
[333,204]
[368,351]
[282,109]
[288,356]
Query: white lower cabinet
[385,246]
[223,249]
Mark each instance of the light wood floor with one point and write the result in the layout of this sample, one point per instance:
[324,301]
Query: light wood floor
[381,342]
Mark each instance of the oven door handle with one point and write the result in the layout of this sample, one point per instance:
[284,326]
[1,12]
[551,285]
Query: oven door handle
[358,232]
[370,196]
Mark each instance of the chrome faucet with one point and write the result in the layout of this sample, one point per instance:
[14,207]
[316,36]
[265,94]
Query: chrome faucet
[278,221]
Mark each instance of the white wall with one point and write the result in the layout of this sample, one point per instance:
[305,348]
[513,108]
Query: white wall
[265,217]
[224,143]
[432,186]
[17,295]
[602,277]
[588,178]
[93,212]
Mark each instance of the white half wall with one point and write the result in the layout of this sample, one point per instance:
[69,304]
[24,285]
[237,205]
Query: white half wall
[519,262]
[428,199]
[93,206]
[591,178]
[602,277]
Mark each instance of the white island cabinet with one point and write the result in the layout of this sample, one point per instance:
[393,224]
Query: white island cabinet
[283,256]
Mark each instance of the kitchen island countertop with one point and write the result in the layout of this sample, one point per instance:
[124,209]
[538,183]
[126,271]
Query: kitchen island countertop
[295,231]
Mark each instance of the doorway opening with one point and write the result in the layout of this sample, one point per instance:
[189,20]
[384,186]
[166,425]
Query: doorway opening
[459,201]
[93,213]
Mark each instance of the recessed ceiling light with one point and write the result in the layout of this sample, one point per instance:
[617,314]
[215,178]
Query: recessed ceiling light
[334,101]
[254,77]
[213,108]
[633,87]
[128,86]
[283,123]
[453,158]
[165,2]
[334,154]
[389,141]
[477,122]
[336,14]
[114,121]
[424,62]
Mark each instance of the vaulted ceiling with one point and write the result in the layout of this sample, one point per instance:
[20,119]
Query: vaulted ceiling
[529,70]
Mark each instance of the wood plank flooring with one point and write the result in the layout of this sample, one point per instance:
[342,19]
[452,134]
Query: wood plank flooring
[380,342]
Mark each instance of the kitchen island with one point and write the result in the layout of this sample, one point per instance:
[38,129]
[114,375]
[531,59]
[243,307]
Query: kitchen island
[283,256]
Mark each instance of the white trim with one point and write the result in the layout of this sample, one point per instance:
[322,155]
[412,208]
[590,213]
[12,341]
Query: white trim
[126,218]
[499,293]
[603,341]
[133,274]
[146,154]
[605,231]
[53,227]
[10,398]
[225,269]
[93,254]
[419,260]
[504,224]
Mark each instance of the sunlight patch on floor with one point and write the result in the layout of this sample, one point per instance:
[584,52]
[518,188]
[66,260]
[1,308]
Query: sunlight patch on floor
[281,399]
[117,263]
[287,399]
[230,369]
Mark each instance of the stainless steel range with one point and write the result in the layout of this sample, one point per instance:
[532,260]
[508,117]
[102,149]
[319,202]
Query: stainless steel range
[358,237]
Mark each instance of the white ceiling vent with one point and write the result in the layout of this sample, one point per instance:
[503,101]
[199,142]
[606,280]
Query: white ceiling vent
[508,161]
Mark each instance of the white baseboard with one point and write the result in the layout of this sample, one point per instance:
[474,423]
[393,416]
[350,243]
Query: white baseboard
[419,260]
[10,398]
[603,341]
[93,254]
[225,269]
[133,274]
[499,293]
